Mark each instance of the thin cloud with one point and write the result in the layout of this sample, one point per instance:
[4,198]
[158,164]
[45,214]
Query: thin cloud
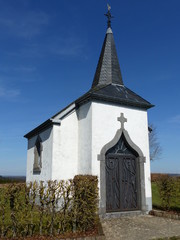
[9,94]
[18,68]
[69,45]
[28,51]
[24,69]
[26,26]
[66,50]
[66,47]
[175,119]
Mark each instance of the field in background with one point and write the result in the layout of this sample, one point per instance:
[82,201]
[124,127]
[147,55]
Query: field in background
[12,179]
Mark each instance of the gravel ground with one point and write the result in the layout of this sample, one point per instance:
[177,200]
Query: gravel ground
[140,228]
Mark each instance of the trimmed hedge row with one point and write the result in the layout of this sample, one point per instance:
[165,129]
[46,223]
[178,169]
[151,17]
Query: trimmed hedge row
[169,192]
[49,208]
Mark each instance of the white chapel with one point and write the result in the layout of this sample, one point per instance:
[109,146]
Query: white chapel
[103,133]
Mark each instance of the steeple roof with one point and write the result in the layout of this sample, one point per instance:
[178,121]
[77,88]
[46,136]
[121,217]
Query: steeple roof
[108,69]
[107,85]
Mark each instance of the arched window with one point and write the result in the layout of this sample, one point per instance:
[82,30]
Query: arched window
[37,156]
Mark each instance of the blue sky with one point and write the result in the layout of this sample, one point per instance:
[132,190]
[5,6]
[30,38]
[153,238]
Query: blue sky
[48,55]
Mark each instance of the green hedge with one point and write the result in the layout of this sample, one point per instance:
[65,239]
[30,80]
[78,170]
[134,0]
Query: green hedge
[49,208]
[85,201]
[166,193]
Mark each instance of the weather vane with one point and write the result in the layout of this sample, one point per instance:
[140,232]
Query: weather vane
[109,16]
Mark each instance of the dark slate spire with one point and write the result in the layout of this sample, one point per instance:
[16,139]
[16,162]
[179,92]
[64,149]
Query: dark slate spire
[108,69]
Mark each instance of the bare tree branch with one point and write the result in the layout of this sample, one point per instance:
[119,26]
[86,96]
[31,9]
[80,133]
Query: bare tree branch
[154,145]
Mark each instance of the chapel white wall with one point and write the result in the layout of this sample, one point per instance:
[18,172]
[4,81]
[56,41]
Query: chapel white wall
[84,114]
[46,170]
[72,146]
[104,128]
[65,148]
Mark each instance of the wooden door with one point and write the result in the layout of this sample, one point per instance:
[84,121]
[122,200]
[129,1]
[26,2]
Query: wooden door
[122,183]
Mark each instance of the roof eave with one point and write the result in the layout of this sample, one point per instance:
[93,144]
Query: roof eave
[38,129]
[83,100]
[51,121]
[45,125]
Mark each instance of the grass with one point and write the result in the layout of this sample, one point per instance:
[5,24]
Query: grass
[155,195]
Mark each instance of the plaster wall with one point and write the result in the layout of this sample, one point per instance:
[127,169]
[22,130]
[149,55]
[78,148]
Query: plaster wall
[104,128]
[84,114]
[45,174]
[65,148]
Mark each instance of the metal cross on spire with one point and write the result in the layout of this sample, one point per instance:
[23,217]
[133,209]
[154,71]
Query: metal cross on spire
[122,120]
[109,16]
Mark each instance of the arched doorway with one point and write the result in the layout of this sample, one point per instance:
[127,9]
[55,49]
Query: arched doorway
[122,174]
[122,178]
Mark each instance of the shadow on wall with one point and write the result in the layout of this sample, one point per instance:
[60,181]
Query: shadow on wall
[43,135]
[82,112]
